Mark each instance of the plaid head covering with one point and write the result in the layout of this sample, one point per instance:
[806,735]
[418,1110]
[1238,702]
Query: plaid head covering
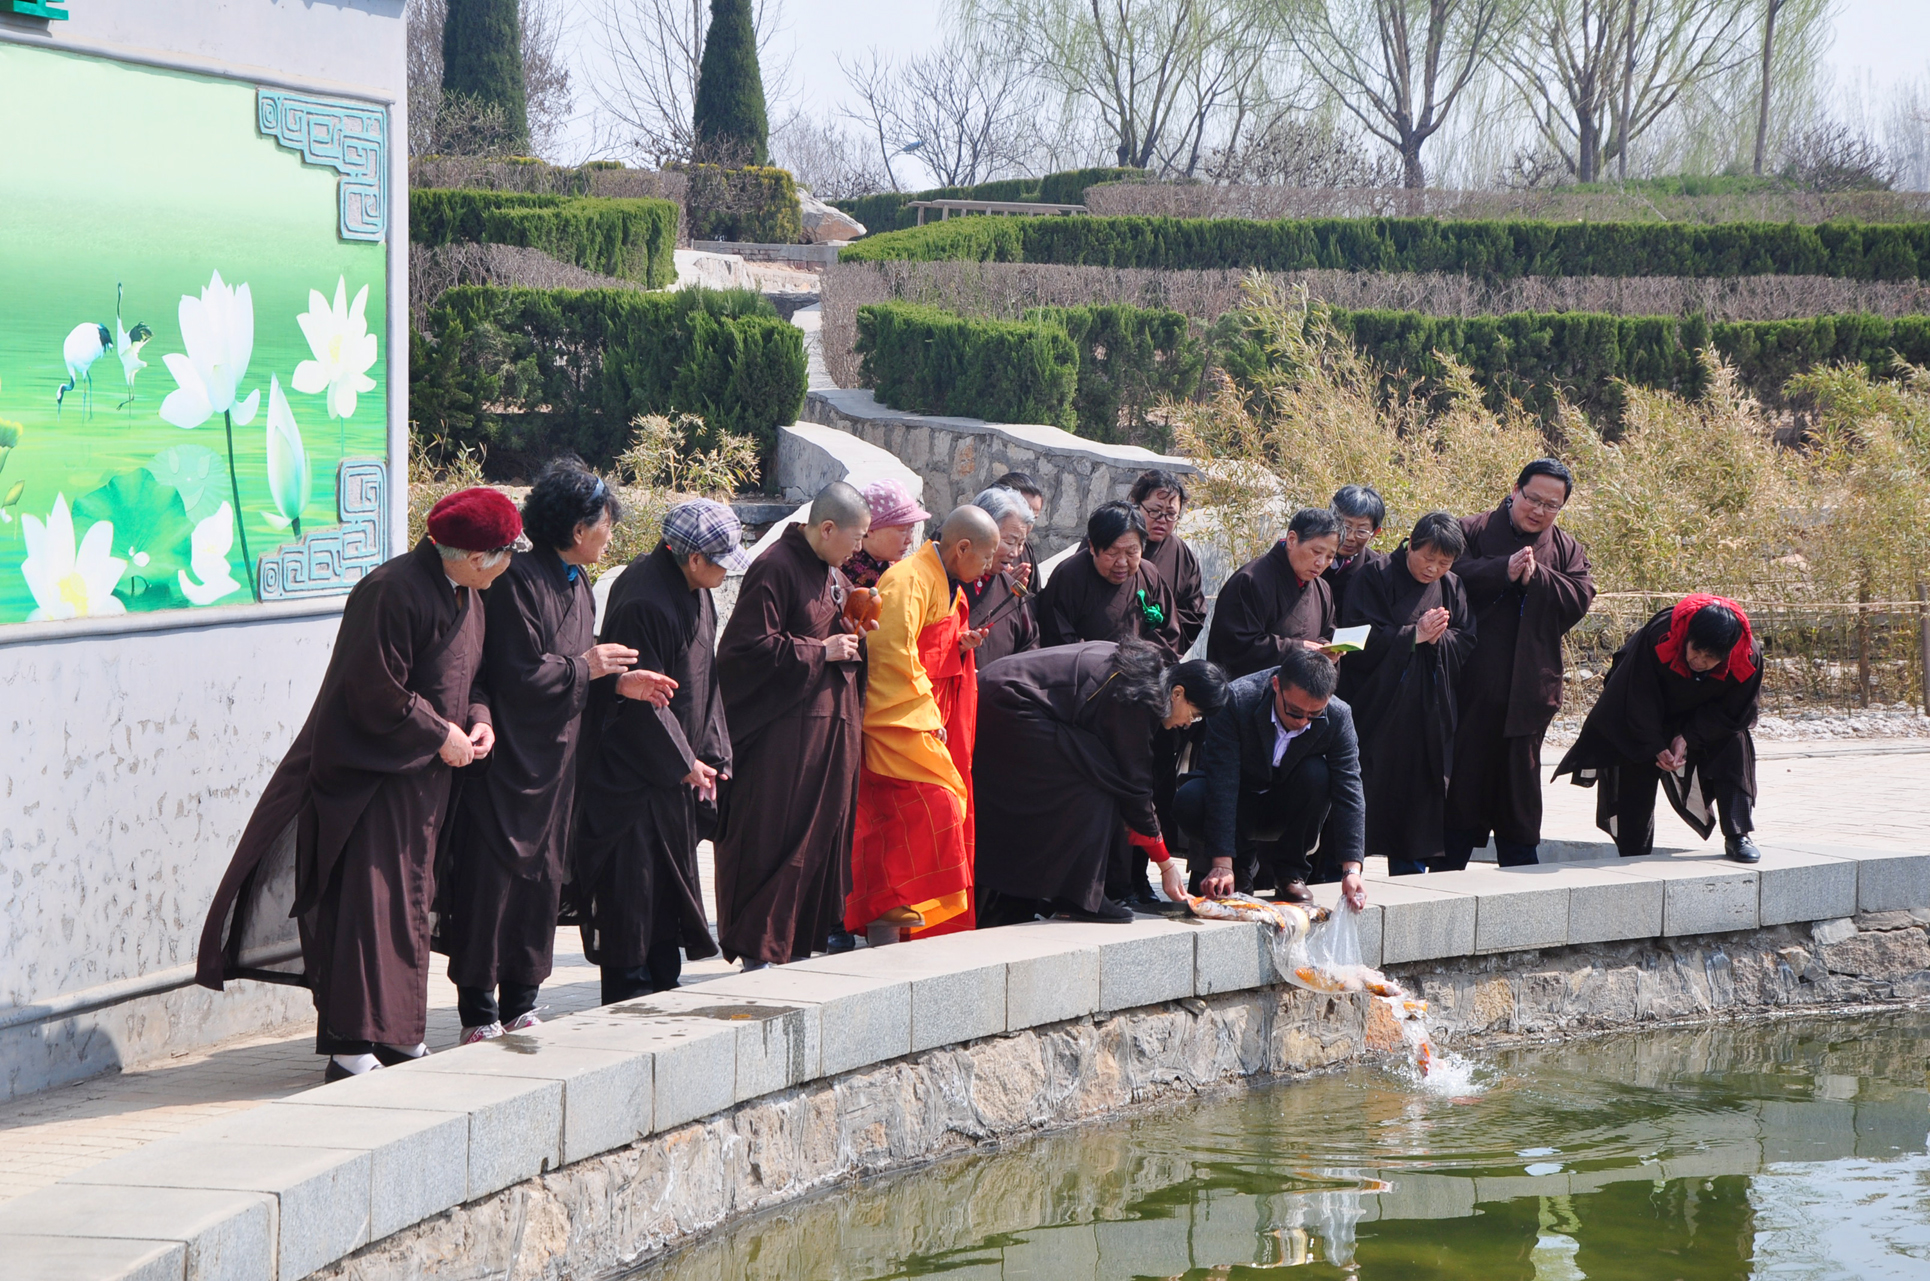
[706,528]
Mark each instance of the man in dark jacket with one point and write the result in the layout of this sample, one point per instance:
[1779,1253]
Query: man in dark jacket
[1279,756]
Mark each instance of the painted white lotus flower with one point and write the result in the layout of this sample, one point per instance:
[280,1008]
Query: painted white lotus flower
[343,346]
[289,482]
[219,331]
[69,581]
[208,556]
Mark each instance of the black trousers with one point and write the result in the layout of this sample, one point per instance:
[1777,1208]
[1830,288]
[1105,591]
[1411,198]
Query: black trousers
[1633,806]
[479,1007]
[663,967]
[1278,827]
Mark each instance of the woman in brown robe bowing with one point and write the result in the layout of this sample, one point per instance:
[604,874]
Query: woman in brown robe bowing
[1001,603]
[1278,600]
[1676,709]
[650,773]
[1064,773]
[1401,689]
[501,871]
[1105,590]
[1160,496]
[347,826]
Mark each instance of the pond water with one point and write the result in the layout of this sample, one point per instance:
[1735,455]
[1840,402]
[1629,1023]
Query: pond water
[1789,1150]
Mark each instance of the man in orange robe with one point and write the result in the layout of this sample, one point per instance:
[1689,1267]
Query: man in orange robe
[911,858]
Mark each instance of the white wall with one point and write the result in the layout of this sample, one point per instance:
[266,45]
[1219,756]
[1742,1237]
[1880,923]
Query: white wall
[134,749]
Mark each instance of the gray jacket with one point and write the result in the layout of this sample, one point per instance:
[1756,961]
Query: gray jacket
[1238,757]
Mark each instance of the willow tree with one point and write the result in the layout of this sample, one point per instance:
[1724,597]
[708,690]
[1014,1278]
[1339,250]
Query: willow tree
[728,120]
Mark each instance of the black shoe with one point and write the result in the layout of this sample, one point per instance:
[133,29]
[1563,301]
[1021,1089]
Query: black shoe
[840,941]
[396,1055]
[1145,900]
[1741,849]
[1294,891]
[1108,912]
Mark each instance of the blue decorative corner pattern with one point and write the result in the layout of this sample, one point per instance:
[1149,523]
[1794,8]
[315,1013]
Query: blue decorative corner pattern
[349,137]
[330,561]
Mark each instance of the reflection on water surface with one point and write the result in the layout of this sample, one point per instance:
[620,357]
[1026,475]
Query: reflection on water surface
[1795,1150]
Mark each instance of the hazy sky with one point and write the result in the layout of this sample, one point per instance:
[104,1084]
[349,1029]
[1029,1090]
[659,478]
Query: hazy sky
[1882,41]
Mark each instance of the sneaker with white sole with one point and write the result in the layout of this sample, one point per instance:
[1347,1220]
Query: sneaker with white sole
[523,1022]
[487,1032]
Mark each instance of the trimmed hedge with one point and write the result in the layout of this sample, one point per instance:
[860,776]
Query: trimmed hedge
[1489,249]
[1537,356]
[1115,364]
[891,211]
[529,373]
[631,239]
[755,204]
[925,360]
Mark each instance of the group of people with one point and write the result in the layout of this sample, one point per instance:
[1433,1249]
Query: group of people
[892,738]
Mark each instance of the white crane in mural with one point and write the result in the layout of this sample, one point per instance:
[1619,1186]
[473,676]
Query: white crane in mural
[85,345]
[127,345]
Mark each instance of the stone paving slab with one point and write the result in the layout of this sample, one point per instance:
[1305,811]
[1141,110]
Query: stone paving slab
[1798,885]
[778,1043]
[865,1020]
[1419,923]
[606,1093]
[1516,909]
[693,1060]
[957,992]
[1701,894]
[1886,880]
[229,1236]
[50,1258]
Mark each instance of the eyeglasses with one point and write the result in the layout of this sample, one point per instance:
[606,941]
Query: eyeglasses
[1357,528]
[1543,505]
[1159,513]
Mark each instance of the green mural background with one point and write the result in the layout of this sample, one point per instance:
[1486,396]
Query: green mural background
[124,192]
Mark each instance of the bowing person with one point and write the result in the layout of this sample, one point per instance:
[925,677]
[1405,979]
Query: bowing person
[1064,772]
[1400,687]
[510,833]
[1106,590]
[651,769]
[350,820]
[1361,513]
[1001,601]
[1277,602]
[1681,696]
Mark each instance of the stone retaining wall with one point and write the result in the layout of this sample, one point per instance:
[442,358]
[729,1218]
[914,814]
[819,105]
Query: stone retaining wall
[608,1135]
[957,457]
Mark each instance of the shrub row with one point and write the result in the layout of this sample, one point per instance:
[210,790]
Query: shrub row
[891,210]
[529,373]
[1494,249]
[755,204]
[1538,357]
[631,239]
[1093,370]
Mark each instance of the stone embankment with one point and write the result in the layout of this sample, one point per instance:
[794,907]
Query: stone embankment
[609,1136]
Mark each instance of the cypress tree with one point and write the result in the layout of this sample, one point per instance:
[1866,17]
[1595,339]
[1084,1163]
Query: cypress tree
[730,125]
[482,62]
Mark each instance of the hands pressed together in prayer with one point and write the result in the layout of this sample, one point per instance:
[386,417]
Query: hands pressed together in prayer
[1521,566]
[1021,572]
[1673,757]
[459,748]
[1434,624]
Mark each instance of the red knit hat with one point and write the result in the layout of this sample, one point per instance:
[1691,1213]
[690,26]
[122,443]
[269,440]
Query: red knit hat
[475,520]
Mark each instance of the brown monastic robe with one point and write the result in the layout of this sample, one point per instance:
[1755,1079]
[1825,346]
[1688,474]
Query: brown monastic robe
[1341,574]
[503,858]
[1078,605]
[1402,696]
[998,604]
[633,867]
[1064,766]
[1511,686]
[796,735]
[1263,610]
[1181,569]
[363,794]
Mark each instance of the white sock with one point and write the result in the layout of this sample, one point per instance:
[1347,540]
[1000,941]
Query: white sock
[356,1064]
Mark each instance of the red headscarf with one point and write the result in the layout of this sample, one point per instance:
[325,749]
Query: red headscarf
[1674,648]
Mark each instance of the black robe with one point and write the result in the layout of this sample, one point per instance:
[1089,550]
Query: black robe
[796,735]
[1062,767]
[633,865]
[996,602]
[1180,568]
[1402,696]
[1078,605]
[344,837]
[501,875]
[1263,610]
[1511,686]
[1341,574]
[1643,706]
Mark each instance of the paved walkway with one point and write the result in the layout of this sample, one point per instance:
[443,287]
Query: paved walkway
[1872,793]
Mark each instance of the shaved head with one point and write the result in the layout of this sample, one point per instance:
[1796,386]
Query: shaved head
[842,505]
[972,524]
